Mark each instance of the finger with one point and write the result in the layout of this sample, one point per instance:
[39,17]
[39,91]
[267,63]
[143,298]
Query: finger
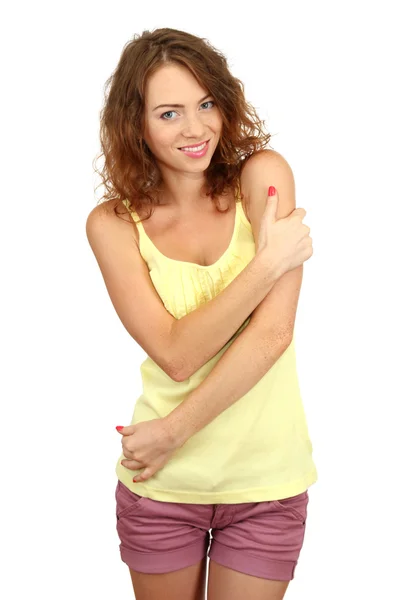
[131,464]
[300,212]
[144,475]
[129,455]
[125,430]
[271,206]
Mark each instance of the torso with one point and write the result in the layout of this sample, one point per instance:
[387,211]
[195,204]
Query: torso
[201,237]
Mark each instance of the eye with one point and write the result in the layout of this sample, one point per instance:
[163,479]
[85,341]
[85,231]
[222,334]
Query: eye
[172,111]
[166,113]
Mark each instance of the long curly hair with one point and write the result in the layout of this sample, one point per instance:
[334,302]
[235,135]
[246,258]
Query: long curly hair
[130,170]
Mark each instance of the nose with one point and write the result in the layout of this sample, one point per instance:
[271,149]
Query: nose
[194,128]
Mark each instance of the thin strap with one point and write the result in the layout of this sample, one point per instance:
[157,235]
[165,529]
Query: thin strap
[132,212]
[127,205]
[143,237]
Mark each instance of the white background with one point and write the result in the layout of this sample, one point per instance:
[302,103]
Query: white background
[325,79]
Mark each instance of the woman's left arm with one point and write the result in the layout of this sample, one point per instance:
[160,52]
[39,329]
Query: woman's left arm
[270,329]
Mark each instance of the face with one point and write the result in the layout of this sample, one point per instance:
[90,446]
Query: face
[169,128]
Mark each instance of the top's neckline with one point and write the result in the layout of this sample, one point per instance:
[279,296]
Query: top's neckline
[185,262]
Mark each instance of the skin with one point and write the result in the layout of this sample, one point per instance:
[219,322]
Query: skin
[168,128]
[183,182]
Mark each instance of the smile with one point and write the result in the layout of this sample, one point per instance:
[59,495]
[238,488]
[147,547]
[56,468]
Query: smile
[194,148]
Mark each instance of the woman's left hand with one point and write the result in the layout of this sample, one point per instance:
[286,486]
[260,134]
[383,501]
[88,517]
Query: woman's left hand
[148,445]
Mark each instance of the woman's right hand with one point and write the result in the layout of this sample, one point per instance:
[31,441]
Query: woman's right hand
[287,241]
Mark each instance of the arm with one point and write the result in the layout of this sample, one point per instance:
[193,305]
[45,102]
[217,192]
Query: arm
[199,335]
[262,342]
[203,332]
[169,341]
[278,309]
[245,362]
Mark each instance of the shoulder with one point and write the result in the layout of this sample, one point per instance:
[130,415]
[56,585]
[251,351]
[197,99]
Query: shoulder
[261,170]
[111,215]
[260,165]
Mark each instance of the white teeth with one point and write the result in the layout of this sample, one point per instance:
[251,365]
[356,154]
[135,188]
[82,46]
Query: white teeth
[196,149]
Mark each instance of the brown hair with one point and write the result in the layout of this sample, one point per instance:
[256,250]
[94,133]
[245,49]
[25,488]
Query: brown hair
[130,171]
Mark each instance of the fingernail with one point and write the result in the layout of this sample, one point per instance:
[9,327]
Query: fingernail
[119,427]
[271,190]
[134,480]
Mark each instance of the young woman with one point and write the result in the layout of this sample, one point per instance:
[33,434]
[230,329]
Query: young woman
[204,270]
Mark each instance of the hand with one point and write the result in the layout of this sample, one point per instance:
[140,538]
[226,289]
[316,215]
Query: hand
[148,445]
[286,241]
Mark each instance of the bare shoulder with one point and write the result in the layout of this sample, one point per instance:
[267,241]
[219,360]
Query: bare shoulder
[104,216]
[261,170]
[259,165]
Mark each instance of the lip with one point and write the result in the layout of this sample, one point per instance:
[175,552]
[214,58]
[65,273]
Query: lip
[194,145]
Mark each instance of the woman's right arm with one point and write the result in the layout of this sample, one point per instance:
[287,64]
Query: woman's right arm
[282,244]
[170,342]
[195,338]
[200,335]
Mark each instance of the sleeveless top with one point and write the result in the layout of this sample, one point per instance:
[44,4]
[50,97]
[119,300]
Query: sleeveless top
[257,449]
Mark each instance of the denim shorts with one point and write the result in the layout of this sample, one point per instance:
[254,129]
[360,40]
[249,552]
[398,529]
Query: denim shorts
[263,539]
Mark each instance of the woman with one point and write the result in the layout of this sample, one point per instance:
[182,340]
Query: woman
[208,287]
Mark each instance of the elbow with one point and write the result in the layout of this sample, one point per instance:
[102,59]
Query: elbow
[178,376]
[286,342]
[176,371]
[182,373]
[175,375]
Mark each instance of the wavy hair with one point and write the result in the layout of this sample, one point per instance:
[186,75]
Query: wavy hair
[130,170]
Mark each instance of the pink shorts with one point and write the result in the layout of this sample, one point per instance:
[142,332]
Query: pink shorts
[263,539]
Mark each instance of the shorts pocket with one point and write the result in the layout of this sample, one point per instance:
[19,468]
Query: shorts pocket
[296,505]
[127,502]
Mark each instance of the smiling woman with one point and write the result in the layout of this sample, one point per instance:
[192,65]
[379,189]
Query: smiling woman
[218,439]
[192,126]
[141,140]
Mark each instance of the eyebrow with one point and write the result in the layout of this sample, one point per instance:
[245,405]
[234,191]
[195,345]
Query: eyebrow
[179,105]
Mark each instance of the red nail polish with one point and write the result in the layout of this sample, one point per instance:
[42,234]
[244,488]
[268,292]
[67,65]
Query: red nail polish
[134,480]
[271,191]
[119,427]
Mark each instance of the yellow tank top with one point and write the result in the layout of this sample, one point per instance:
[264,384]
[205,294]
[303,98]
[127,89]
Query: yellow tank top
[257,449]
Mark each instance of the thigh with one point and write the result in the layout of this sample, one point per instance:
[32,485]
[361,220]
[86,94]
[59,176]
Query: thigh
[262,539]
[188,583]
[160,537]
[229,584]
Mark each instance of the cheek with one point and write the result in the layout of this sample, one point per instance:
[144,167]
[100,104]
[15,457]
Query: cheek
[161,137]
[165,136]
[216,122]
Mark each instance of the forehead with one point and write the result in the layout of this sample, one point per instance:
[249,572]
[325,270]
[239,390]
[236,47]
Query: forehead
[172,83]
